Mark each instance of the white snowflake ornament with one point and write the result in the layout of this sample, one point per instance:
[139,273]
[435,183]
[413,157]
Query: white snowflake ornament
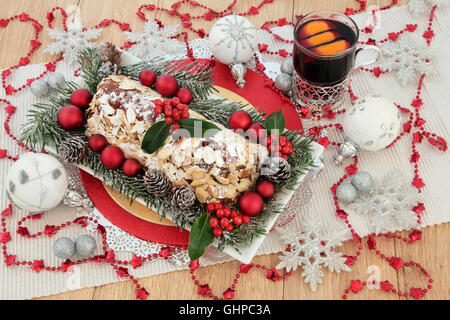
[72,41]
[312,248]
[409,60]
[389,205]
[156,42]
[419,6]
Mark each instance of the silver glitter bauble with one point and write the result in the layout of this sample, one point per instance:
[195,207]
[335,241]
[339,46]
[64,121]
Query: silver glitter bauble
[346,193]
[64,248]
[283,82]
[362,181]
[287,66]
[39,87]
[85,245]
[56,80]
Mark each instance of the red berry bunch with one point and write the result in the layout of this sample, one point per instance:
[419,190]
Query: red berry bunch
[224,218]
[172,110]
[278,146]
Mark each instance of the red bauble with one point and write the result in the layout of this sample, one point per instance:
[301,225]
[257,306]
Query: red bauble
[70,117]
[256,132]
[112,157]
[80,98]
[265,188]
[131,167]
[147,77]
[185,95]
[97,142]
[166,85]
[240,120]
[251,203]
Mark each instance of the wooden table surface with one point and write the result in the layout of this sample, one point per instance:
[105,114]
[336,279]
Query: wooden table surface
[432,251]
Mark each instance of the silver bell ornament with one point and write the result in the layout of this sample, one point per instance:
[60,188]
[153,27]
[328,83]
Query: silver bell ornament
[39,87]
[233,41]
[370,124]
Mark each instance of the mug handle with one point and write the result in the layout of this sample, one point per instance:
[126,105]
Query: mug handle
[371,61]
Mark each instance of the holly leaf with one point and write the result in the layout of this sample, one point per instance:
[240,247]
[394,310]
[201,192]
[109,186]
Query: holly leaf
[274,123]
[200,237]
[155,136]
[197,126]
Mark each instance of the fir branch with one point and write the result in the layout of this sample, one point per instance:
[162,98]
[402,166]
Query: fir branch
[195,75]
[89,61]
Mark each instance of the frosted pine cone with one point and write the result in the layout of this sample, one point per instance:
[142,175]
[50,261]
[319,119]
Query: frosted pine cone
[108,52]
[183,197]
[72,149]
[107,69]
[276,169]
[157,182]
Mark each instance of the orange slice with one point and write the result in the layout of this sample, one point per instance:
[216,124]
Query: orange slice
[320,38]
[332,48]
[313,27]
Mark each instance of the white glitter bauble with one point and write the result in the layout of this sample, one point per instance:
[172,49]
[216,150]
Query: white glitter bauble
[233,39]
[346,193]
[36,182]
[64,248]
[287,66]
[56,80]
[283,82]
[85,245]
[362,181]
[39,87]
[372,123]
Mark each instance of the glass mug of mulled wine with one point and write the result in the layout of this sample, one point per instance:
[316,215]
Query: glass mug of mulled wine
[325,50]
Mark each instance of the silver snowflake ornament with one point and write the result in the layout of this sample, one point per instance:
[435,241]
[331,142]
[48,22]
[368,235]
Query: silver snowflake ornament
[311,248]
[407,58]
[389,204]
[72,41]
[419,6]
[156,41]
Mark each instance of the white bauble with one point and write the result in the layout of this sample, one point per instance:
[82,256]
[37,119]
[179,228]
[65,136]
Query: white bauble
[36,182]
[372,122]
[233,40]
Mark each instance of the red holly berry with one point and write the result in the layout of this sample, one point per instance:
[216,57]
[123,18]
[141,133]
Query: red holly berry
[240,120]
[282,140]
[229,227]
[168,110]
[97,142]
[219,206]
[218,231]
[211,207]
[213,222]
[226,212]
[175,126]
[168,120]
[158,110]
[219,213]
[237,220]
[224,222]
[245,218]
[80,98]
[184,114]
[147,77]
[176,101]
[234,213]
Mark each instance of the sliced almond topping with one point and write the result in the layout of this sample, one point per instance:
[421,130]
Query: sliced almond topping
[244,185]
[201,194]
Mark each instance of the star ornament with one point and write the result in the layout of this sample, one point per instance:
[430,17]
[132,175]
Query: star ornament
[416,293]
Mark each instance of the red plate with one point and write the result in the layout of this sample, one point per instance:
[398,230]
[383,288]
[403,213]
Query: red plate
[256,92]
